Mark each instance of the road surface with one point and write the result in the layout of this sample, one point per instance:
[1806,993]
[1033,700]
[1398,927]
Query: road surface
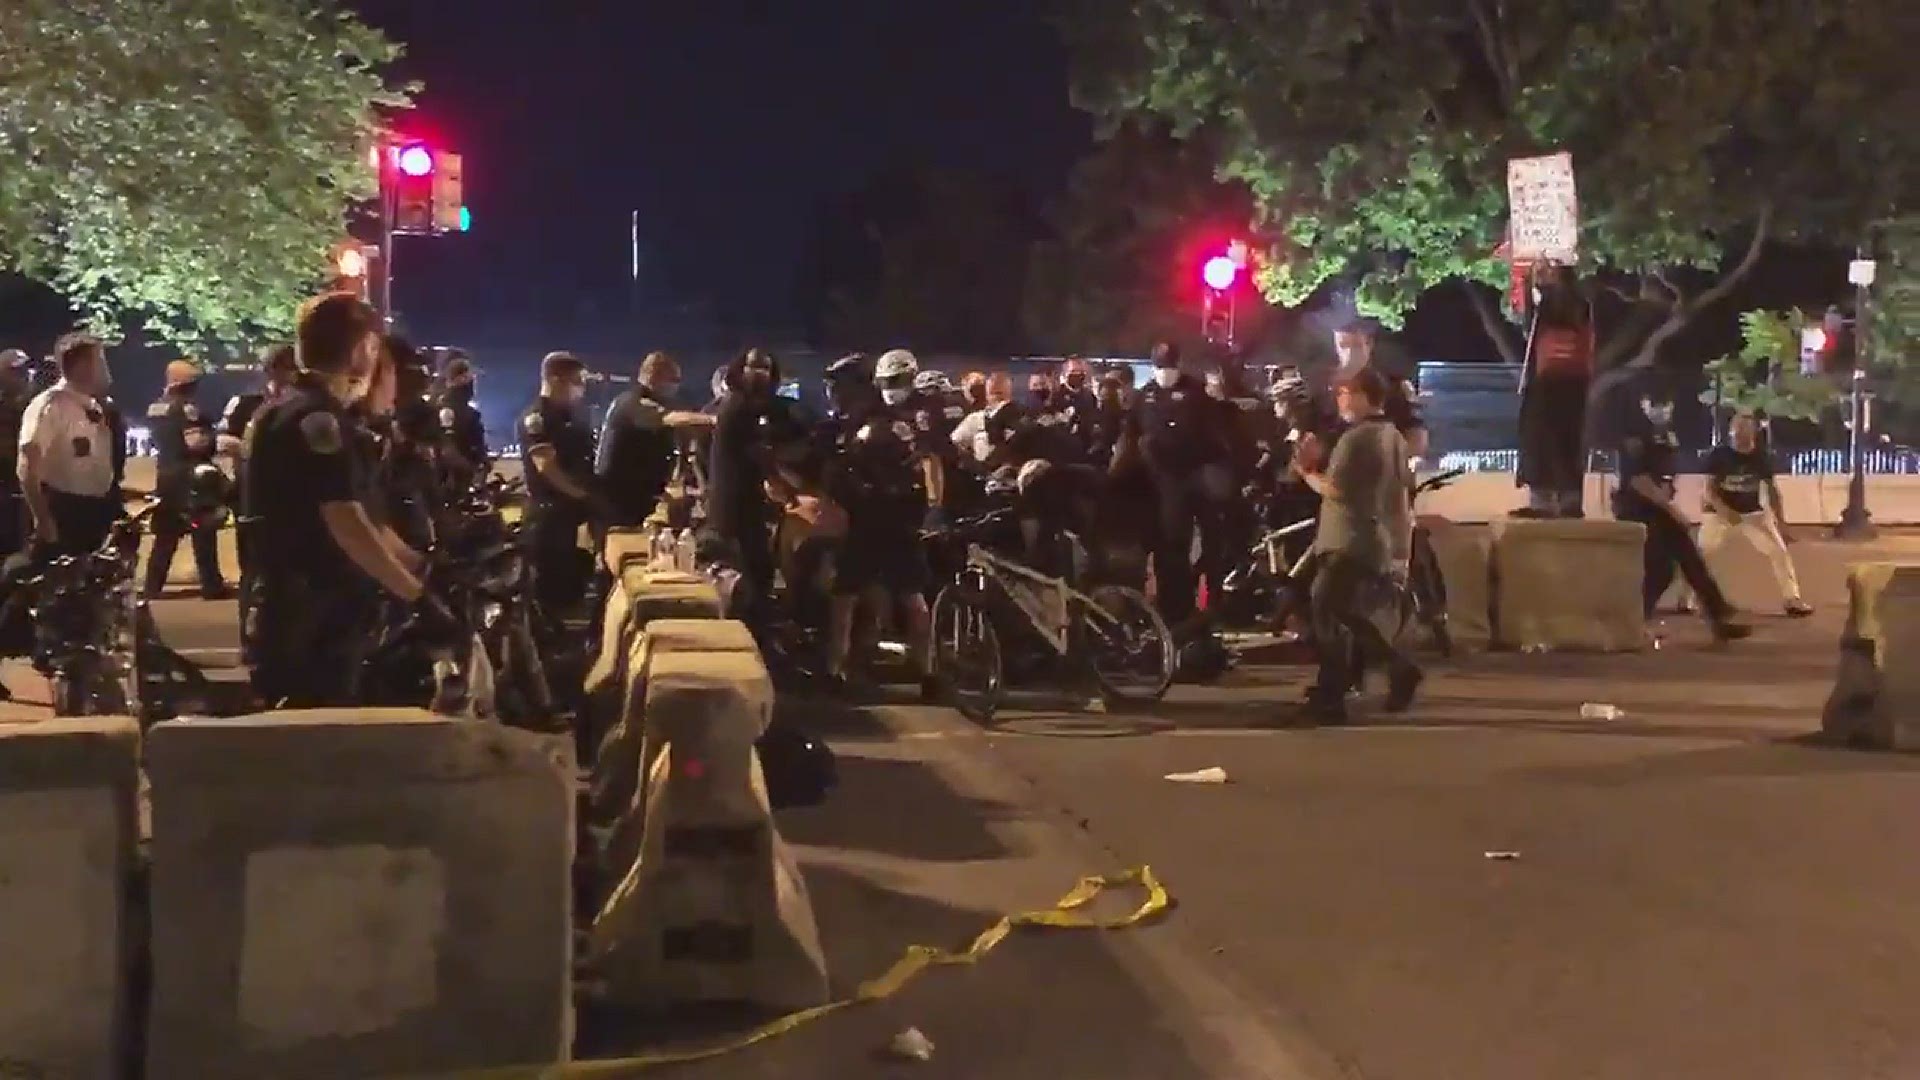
[1694,891]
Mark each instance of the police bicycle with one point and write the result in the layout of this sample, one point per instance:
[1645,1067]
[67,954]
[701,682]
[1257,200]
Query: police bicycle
[1000,620]
[95,641]
[1267,582]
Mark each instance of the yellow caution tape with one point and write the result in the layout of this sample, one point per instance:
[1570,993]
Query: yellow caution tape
[1065,914]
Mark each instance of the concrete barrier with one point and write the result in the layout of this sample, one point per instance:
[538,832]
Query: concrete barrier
[1569,584]
[68,833]
[358,893]
[1808,500]
[1466,565]
[617,762]
[643,595]
[1875,701]
[712,908]
[668,690]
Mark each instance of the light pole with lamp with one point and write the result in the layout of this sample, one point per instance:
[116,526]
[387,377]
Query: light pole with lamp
[1855,522]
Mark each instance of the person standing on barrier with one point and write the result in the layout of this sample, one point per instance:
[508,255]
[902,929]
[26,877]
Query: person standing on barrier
[323,563]
[183,440]
[1174,431]
[557,442]
[1363,545]
[1739,472]
[1647,465]
[66,454]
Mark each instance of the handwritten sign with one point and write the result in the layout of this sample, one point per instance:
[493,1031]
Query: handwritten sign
[1544,209]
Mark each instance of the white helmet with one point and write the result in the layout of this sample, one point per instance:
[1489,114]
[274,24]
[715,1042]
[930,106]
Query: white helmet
[932,382]
[895,364]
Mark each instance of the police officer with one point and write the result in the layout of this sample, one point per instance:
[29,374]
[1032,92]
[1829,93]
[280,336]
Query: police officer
[557,443]
[461,420]
[183,440]
[414,438]
[14,392]
[230,439]
[1174,430]
[67,471]
[637,442]
[894,374]
[323,563]
[1648,458]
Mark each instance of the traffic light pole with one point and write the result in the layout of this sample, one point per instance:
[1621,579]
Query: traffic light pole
[384,296]
[1855,522]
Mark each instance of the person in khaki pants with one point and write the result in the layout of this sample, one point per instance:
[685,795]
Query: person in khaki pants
[1739,473]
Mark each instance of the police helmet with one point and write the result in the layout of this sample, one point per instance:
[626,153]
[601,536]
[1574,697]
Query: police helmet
[932,382]
[895,366]
[852,367]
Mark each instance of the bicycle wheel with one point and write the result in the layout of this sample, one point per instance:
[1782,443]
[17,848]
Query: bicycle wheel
[1127,643]
[966,653]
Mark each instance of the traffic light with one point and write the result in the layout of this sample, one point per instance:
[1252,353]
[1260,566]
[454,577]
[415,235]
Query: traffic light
[413,187]
[1219,273]
[449,211]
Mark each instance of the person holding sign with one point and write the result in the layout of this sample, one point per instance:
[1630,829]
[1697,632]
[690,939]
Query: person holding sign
[1553,396]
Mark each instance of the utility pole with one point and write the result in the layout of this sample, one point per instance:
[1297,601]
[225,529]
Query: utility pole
[1855,522]
[633,288]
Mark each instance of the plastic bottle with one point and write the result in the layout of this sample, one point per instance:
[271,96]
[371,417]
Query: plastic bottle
[661,550]
[1594,710]
[685,547]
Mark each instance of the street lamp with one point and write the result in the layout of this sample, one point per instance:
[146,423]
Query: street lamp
[1855,522]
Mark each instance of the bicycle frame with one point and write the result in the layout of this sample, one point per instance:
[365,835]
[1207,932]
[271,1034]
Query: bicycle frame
[1047,603]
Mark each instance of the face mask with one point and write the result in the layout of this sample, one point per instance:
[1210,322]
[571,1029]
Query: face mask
[1660,414]
[1166,377]
[668,391]
[895,396]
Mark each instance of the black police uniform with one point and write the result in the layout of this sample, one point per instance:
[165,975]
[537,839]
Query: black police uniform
[466,430]
[234,419]
[313,612]
[183,439]
[747,429]
[635,458]
[408,477]
[553,519]
[875,475]
[1651,451]
[1179,433]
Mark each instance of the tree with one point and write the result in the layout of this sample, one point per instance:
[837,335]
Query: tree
[1764,376]
[184,164]
[926,258]
[1121,270]
[1375,136]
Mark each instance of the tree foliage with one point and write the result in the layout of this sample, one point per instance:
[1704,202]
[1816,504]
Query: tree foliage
[1375,136]
[185,164]
[1764,376]
[1121,268]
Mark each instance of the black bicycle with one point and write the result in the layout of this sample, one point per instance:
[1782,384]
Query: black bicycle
[1000,620]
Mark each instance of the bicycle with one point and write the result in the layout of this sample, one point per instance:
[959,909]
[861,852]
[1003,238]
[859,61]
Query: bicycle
[999,610]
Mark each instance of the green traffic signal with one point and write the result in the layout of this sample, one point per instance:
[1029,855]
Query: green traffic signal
[466,219]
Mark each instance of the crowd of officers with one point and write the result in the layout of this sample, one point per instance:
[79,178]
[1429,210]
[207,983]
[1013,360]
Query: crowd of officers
[351,454]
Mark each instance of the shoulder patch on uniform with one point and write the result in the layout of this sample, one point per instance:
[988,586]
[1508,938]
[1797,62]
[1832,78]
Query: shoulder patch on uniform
[902,432]
[923,420]
[158,410]
[192,411]
[322,432]
[533,423]
[955,412]
[447,418]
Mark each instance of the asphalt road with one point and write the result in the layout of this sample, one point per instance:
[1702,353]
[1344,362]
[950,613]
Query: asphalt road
[1695,891]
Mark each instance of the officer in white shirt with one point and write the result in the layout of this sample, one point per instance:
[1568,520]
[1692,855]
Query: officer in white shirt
[66,454]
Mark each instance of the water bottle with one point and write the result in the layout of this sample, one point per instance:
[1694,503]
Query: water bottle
[660,553]
[683,552]
[1594,710]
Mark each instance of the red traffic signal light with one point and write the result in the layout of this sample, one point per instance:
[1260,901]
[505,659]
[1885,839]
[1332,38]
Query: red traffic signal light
[414,160]
[1219,273]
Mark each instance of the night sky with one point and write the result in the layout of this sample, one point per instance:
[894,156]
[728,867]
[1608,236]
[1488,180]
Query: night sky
[723,122]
